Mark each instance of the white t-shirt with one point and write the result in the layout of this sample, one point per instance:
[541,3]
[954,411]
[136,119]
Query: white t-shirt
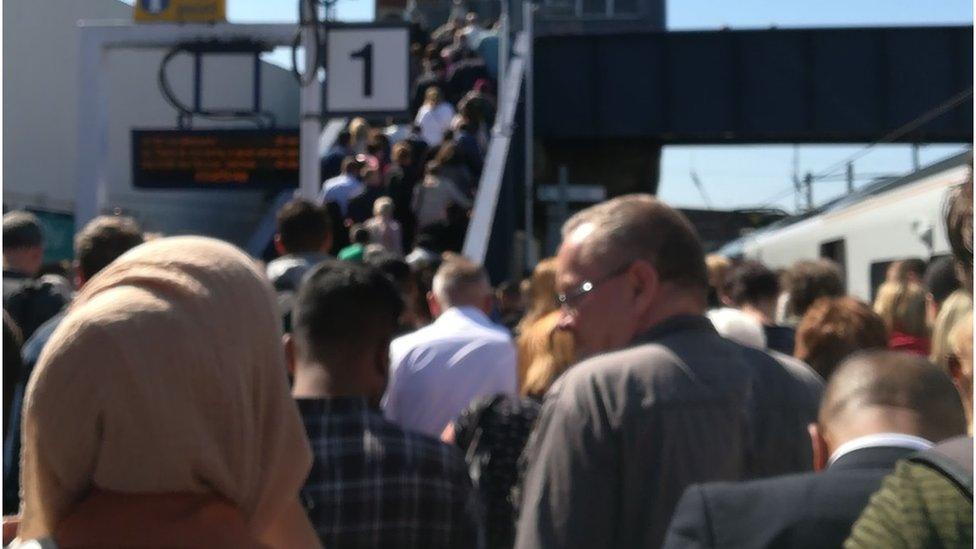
[433,121]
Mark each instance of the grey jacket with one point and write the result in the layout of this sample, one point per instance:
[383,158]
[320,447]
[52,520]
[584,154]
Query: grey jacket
[621,435]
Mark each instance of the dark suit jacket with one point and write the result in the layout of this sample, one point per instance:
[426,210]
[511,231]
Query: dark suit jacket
[814,510]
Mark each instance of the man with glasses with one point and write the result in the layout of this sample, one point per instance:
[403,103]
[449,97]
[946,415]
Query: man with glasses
[662,401]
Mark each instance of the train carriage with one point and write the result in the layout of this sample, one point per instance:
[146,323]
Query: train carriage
[865,231]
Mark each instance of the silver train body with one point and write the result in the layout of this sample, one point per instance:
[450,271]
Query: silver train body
[865,231]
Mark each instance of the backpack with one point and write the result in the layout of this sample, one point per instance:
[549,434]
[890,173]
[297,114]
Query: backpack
[952,458]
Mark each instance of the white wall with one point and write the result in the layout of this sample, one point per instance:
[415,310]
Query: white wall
[40,118]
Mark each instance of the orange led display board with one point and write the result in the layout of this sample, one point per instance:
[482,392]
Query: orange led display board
[215,159]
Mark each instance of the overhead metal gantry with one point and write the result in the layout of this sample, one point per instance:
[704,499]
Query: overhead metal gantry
[97,39]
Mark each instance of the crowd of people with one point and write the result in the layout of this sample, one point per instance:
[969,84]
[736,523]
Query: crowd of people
[369,387]
[402,186]
[631,392]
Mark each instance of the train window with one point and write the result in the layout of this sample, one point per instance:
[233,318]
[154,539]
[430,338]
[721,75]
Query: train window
[835,250]
[879,271]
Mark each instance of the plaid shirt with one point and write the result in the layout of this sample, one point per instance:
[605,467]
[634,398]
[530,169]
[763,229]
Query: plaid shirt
[372,484]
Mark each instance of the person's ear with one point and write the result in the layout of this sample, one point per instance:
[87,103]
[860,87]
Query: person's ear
[35,255]
[954,366]
[288,343]
[382,361]
[80,278]
[645,281]
[488,305]
[434,305]
[278,246]
[821,453]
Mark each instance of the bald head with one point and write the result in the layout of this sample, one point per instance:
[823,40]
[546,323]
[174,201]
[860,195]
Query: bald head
[887,391]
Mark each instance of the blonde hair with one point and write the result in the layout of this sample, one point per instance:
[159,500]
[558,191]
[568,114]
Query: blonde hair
[953,309]
[542,292]
[544,353]
[718,267]
[901,305]
[359,129]
[383,206]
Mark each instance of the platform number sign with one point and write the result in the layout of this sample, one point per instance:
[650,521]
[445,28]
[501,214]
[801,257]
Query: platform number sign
[366,55]
[367,70]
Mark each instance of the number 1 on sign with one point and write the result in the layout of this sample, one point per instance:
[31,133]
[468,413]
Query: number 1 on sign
[366,54]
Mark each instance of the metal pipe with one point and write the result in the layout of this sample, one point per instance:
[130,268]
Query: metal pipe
[310,127]
[256,95]
[503,49]
[530,248]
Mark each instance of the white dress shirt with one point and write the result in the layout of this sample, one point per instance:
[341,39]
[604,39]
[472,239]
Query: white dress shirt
[438,370]
[341,189]
[897,440]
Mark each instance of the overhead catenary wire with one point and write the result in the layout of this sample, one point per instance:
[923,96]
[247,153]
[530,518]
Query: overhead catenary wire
[921,120]
[701,189]
[925,118]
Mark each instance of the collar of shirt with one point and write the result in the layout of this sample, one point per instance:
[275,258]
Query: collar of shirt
[675,323]
[339,403]
[472,314]
[898,440]
[10,273]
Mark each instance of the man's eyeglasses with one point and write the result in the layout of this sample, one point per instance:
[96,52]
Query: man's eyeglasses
[573,297]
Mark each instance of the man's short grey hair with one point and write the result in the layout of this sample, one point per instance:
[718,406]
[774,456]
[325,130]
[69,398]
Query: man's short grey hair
[898,380]
[460,282]
[21,229]
[639,226]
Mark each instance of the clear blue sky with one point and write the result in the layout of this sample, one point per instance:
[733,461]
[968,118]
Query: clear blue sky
[736,176]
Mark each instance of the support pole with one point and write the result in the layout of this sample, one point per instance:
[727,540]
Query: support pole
[808,182]
[92,161]
[530,247]
[504,42]
[916,161]
[796,177]
[850,177]
[311,105]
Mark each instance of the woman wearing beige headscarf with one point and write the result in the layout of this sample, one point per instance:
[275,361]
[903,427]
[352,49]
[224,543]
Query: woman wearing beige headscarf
[159,412]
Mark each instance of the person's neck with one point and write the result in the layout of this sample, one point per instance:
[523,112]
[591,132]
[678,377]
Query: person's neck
[16,267]
[872,421]
[762,315]
[313,381]
[463,306]
[678,302]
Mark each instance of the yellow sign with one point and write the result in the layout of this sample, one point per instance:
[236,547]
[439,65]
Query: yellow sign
[180,11]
